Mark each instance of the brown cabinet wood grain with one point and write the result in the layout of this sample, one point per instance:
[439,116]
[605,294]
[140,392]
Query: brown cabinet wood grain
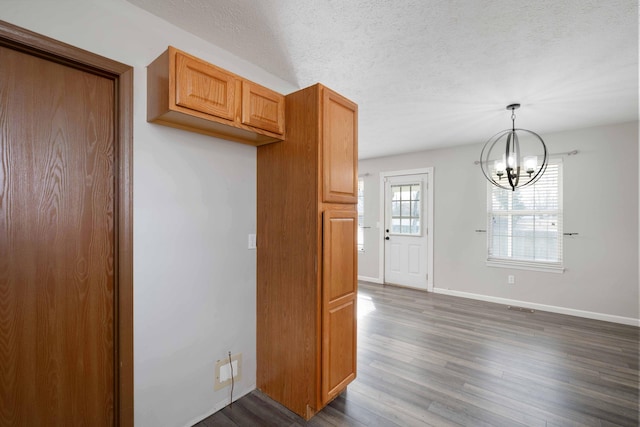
[339,279]
[307,259]
[204,87]
[262,108]
[188,93]
[340,133]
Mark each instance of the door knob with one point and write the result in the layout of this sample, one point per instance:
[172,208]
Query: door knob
[386,238]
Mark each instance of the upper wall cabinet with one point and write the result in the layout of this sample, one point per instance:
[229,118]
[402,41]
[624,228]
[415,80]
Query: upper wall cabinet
[188,93]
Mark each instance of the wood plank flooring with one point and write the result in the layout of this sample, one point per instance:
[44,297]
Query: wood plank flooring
[435,360]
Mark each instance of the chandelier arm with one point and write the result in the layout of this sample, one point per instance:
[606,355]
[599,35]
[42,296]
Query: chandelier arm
[516,153]
[512,180]
[509,159]
[488,148]
[545,159]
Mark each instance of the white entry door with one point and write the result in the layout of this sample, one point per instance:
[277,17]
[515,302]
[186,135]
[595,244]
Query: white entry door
[407,256]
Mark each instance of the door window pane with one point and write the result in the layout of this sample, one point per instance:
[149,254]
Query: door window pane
[406,209]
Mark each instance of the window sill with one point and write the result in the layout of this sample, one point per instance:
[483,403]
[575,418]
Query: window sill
[526,266]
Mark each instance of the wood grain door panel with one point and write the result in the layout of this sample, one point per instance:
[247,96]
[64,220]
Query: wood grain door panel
[262,107]
[341,348]
[57,244]
[205,88]
[339,148]
[339,294]
[340,254]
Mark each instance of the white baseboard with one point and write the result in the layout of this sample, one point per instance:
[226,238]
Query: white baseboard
[370,279]
[218,406]
[542,307]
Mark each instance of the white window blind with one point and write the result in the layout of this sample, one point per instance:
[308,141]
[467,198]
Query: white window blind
[525,226]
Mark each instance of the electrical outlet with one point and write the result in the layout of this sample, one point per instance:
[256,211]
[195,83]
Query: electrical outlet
[224,369]
[511,279]
[252,241]
[227,371]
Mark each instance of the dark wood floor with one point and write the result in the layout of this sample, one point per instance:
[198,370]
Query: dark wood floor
[435,360]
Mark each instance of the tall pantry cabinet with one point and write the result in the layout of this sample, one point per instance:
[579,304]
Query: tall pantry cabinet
[307,261]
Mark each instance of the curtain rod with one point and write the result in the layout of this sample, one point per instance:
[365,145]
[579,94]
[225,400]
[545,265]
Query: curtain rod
[566,153]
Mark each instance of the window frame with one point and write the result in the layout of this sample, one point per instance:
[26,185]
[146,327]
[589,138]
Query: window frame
[531,264]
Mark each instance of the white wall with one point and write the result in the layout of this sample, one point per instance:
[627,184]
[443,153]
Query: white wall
[600,203]
[194,204]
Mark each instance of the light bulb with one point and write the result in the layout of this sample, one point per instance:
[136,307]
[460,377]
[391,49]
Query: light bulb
[530,164]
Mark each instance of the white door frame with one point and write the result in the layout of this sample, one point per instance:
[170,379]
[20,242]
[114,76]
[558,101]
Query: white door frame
[428,211]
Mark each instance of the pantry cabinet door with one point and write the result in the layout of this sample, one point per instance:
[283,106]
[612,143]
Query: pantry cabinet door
[339,148]
[339,291]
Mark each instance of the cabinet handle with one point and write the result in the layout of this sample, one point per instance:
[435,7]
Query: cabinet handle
[386,238]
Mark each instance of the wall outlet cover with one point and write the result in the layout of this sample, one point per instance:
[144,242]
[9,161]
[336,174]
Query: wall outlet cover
[224,369]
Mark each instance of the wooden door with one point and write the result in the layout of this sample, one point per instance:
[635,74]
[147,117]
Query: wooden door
[339,148]
[339,295]
[58,244]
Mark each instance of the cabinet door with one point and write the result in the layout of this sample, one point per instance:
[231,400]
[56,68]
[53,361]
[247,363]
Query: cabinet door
[339,148]
[262,108]
[339,294]
[203,87]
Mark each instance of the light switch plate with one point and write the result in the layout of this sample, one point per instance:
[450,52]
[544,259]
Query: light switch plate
[252,241]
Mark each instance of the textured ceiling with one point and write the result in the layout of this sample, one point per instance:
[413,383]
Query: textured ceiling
[435,73]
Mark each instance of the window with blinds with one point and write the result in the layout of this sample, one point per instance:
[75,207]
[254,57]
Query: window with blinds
[525,226]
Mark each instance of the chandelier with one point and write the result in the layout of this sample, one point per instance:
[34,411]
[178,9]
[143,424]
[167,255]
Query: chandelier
[503,162]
